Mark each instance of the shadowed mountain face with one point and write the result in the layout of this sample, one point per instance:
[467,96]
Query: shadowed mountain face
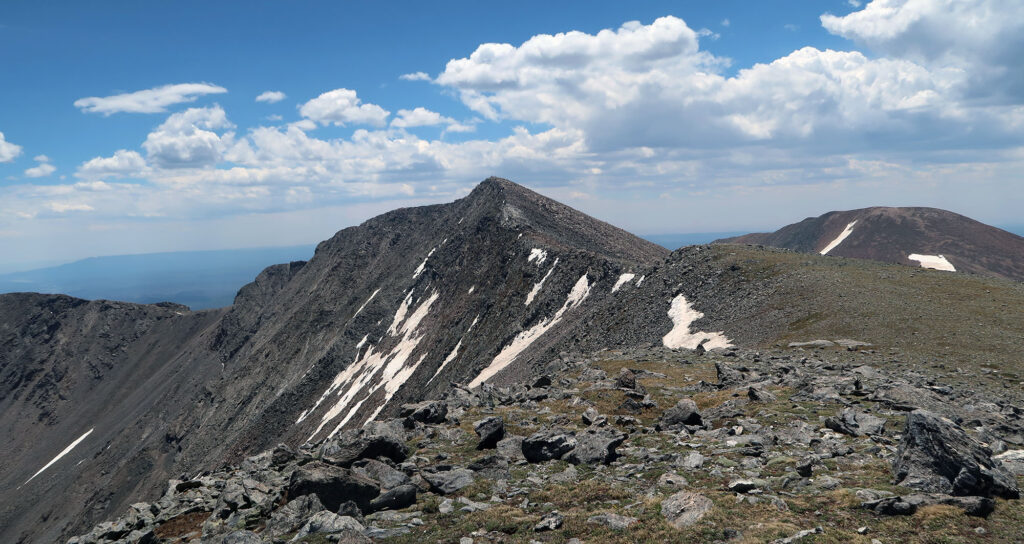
[925,237]
[105,401]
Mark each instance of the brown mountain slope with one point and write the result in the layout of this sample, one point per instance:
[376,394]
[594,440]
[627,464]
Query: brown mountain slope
[940,239]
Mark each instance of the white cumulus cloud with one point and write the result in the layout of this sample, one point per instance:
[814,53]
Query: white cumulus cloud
[43,169]
[341,107]
[188,139]
[415,76]
[270,97]
[8,151]
[123,163]
[155,100]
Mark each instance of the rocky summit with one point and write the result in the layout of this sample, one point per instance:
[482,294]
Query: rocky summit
[504,368]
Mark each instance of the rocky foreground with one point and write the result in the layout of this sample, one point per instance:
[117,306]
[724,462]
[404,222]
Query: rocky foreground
[823,443]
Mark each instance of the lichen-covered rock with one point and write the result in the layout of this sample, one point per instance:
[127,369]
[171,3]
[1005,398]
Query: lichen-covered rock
[490,430]
[685,508]
[547,445]
[595,447]
[332,485]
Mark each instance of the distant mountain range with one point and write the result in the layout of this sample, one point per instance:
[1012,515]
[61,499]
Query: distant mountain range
[925,237]
[197,279]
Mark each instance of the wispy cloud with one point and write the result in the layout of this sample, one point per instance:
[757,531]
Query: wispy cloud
[8,150]
[155,100]
[271,97]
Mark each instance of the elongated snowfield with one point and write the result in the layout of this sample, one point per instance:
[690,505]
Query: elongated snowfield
[683,315]
[61,454]
[839,239]
[360,310]
[936,262]
[524,339]
[537,254]
[627,277]
[539,285]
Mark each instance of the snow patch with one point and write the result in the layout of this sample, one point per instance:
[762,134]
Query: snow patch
[537,286]
[374,371]
[524,339]
[622,279]
[683,315]
[539,254]
[365,303]
[641,280]
[419,269]
[936,262]
[451,357]
[61,454]
[471,289]
[362,342]
[839,239]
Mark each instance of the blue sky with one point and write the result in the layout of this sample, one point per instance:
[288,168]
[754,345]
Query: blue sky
[134,127]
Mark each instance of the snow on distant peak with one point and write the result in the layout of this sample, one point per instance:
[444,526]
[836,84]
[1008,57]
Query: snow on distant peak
[683,315]
[524,339]
[61,454]
[419,269]
[839,239]
[622,280]
[537,286]
[539,254]
[936,262]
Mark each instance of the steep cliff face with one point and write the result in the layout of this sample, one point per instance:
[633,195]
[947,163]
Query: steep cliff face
[924,237]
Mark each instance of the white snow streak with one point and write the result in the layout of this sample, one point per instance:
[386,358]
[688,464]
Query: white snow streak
[539,254]
[937,262]
[362,342]
[419,269]
[641,280]
[471,289]
[365,303]
[537,286]
[529,336]
[683,315]
[61,454]
[622,279]
[451,357]
[839,239]
[376,371]
[403,308]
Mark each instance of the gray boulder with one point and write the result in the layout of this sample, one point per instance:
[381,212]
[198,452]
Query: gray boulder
[908,504]
[596,447]
[332,485]
[429,412]
[395,499]
[547,445]
[380,472]
[683,413]
[446,479]
[242,537]
[327,523]
[685,508]
[490,430]
[854,423]
[937,456]
[612,521]
[290,517]
[347,447]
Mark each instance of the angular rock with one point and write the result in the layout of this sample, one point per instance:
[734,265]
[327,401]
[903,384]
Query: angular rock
[511,448]
[547,445]
[683,413]
[685,508]
[759,394]
[242,537]
[613,521]
[395,499]
[429,412]
[908,504]
[446,479]
[937,456]
[553,520]
[492,467]
[1012,461]
[350,446]
[854,423]
[290,517]
[380,472]
[626,379]
[595,447]
[328,523]
[332,485]
[490,430]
